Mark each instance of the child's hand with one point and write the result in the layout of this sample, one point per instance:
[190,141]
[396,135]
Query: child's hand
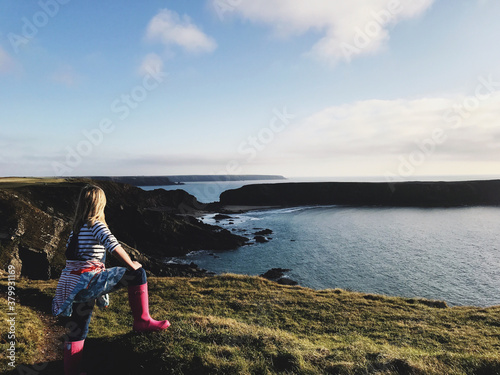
[136,265]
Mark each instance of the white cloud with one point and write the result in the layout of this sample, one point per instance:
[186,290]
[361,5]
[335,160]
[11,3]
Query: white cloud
[150,64]
[347,28]
[428,132]
[169,28]
[7,64]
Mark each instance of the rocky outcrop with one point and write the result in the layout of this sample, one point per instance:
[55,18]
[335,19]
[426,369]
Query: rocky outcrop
[410,194]
[157,267]
[30,238]
[35,224]
[278,275]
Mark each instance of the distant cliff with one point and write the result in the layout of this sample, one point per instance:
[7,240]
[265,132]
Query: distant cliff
[181,179]
[138,180]
[224,177]
[35,224]
[416,194]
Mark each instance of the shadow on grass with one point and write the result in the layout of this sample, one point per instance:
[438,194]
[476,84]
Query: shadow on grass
[100,356]
[35,299]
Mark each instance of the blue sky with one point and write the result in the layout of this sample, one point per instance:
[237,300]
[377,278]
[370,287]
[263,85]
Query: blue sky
[393,88]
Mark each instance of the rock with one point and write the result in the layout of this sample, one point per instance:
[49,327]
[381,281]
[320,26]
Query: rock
[260,236]
[264,232]
[36,224]
[286,281]
[158,268]
[219,217]
[278,275]
[35,264]
[261,239]
[275,273]
[33,237]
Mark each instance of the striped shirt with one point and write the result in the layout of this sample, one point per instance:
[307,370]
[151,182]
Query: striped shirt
[94,241]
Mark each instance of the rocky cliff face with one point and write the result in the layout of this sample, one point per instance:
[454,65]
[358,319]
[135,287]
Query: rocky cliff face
[35,224]
[409,194]
[30,237]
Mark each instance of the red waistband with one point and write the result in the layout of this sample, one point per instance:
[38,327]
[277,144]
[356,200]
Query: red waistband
[83,270]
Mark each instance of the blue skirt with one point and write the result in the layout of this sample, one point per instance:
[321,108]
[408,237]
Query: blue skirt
[92,285]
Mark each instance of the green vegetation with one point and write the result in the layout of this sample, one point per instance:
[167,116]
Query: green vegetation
[247,325]
[15,182]
[28,330]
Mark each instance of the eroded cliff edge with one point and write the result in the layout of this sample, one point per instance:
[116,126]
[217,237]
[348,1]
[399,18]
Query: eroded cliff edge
[397,194]
[35,224]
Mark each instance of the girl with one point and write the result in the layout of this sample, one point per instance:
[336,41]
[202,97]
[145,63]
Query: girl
[85,281]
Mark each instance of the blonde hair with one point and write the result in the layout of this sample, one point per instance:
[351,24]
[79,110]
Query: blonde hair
[90,207]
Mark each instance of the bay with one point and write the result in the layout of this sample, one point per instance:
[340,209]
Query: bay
[450,254]
[444,254]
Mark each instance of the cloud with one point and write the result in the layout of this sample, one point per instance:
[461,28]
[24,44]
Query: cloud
[150,64]
[7,64]
[383,133]
[346,29]
[168,28]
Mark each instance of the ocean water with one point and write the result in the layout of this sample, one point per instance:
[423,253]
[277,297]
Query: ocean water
[207,192]
[450,254]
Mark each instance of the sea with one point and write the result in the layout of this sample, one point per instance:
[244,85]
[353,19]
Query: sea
[447,254]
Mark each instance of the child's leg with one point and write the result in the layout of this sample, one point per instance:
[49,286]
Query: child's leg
[80,320]
[79,327]
[130,278]
[138,298]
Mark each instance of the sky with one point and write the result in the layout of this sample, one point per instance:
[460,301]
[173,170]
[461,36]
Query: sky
[391,88]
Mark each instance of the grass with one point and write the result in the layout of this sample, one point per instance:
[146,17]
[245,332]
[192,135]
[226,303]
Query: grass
[28,332]
[247,325]
[14,182]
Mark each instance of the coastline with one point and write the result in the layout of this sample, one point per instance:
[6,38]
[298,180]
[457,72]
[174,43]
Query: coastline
[235,323]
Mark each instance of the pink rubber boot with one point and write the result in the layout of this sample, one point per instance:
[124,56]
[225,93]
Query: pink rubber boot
[73,352]
[139,304]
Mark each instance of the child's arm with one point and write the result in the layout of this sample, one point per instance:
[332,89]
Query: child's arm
[124,258]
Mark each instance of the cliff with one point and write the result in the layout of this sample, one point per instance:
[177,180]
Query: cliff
[411,194]
[224,177]
[35,224]
[181,179]
[137,180]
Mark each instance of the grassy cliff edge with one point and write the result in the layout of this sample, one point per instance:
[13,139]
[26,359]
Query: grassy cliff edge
[234,324]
